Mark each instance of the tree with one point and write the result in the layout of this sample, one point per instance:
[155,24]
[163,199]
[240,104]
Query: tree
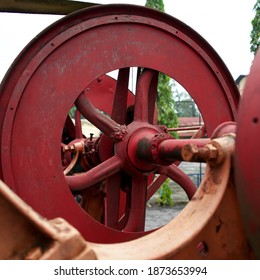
[166,110]
[165,101]
[255,33]
[155,4]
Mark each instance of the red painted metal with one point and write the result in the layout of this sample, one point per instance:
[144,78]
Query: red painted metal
[195,127]
[171,151]
[247,156]
[59,68]
[177,175]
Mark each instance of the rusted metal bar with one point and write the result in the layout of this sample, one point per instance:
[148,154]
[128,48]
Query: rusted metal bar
[170,149]
[163,150]
[27,235]
[56,7]
[214,152]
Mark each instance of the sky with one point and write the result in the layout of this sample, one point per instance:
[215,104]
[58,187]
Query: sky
[225,24]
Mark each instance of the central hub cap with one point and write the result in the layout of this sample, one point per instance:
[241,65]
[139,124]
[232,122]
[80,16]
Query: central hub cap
[139,149]
[136,148]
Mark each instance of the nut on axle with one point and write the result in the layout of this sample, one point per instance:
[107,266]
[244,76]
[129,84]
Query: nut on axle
[213,153]
[74,147]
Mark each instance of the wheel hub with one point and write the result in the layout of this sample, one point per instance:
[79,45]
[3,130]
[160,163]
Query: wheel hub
[135,150]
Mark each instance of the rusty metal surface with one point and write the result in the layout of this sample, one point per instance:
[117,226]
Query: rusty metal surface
[27,235]
[56,70]
[247,156]
[193,234]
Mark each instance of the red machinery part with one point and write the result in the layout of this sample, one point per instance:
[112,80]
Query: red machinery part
[57,69]
[247,156]
[194,234]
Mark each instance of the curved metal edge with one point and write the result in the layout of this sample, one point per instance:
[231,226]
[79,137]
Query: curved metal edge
[47,35]
[68,21]
[247,156]
[171,239]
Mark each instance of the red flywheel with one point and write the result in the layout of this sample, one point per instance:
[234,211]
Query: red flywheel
[104,194]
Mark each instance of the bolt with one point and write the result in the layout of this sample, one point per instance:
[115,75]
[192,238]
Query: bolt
[77,146]
[211,152]
[67,148]
[191,152]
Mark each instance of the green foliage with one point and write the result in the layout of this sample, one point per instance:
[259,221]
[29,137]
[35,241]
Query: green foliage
[255,33]
[72,112]
[165,194]
[165,102]
[166,110]
[155,4]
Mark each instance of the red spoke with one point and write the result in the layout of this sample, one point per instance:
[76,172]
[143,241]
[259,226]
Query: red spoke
[152,98]
[202,132]
[120,99]
[70,127]
[112,202]
[125,203]
[136,220]
[108,126]
[95,175]
[142,92]
[178,176]
[78,126]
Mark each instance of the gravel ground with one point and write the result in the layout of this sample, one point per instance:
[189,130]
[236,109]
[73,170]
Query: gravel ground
[157,216]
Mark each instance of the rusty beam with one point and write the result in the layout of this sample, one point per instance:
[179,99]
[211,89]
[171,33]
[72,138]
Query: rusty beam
[56,7]
[39,238]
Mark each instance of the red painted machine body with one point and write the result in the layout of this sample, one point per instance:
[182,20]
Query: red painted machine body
[65,66]
[101,184]
[247,154]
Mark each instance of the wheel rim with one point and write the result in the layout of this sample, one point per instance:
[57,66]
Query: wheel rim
[247,156]
[48,75]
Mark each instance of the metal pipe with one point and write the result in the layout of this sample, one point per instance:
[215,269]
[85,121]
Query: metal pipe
[184,128]
[170,149]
